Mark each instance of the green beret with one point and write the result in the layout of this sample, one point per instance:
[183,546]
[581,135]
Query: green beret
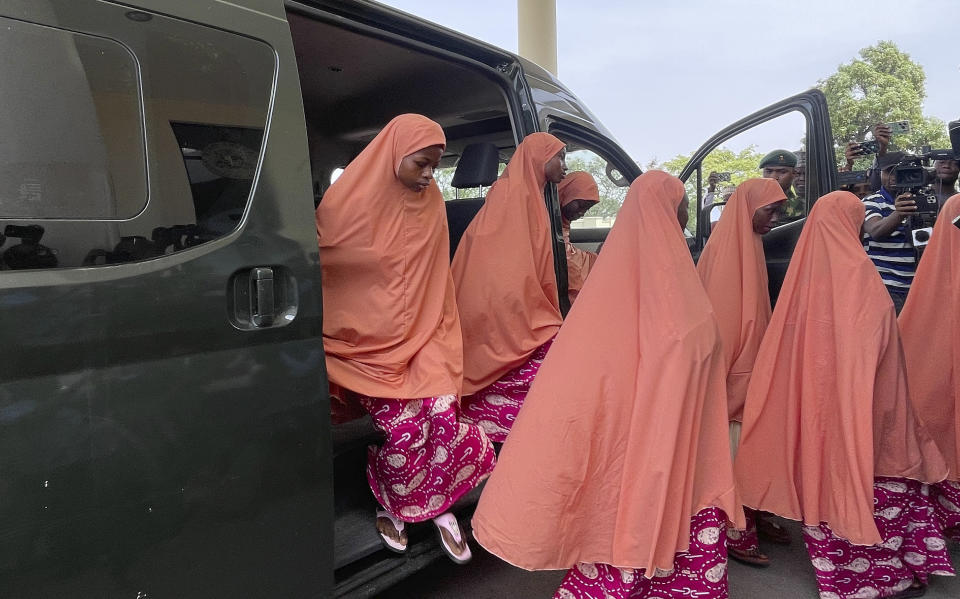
[779,158]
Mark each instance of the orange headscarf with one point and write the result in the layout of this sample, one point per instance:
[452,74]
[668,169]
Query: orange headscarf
[827,407]
[390,325]
[734,273]
[578,185]
[623,437]
[930,328]
[504,272]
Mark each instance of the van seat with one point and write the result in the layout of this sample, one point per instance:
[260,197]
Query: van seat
[477,167]
[459,215]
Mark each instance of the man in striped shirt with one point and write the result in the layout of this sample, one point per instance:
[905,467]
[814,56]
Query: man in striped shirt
[887,232]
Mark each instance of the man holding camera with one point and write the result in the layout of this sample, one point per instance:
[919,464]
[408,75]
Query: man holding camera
[888,233]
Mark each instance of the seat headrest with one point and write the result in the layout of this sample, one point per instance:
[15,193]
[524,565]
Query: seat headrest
[477,166]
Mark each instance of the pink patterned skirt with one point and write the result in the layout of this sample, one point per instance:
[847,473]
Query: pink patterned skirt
[699,572]
[495,407]
[946,503]
[912,546]
[430,459]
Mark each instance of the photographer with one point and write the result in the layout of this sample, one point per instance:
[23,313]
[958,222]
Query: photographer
[712,181]
[888,234]
[853,150]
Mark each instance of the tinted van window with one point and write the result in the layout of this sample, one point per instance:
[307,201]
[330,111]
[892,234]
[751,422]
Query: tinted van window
[71,133]
[134,136]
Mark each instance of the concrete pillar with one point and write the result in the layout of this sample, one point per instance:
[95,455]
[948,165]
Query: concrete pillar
[537,32]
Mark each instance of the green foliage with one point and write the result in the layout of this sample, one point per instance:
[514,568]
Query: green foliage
[880,86]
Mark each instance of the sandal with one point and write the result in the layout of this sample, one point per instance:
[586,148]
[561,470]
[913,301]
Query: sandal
[392,532]
[771,531]
[451,539]
[917,589]
[751,558]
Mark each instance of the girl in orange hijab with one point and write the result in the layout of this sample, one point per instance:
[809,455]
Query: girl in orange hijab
[578,193]
[584,481]
[829,434]
[734,273]
[391,332]
[506,285]
[930,327]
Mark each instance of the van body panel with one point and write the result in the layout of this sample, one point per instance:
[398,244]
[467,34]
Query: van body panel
[148,444]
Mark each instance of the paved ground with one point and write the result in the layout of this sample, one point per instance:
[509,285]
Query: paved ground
[486,577]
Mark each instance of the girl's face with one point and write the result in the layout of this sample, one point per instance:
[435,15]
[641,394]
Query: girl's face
[416,170]
[576,209]
[766,216]
[556,167]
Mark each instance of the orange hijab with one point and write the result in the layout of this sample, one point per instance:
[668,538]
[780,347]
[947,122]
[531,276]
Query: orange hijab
[390,325]
[504,272]
[734,273]
[578,185]
[623,436]
[930,327]
[827,408]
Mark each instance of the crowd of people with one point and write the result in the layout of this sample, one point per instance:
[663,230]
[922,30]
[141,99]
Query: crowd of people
[649,435]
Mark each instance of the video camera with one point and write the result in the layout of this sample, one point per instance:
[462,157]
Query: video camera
[913,175]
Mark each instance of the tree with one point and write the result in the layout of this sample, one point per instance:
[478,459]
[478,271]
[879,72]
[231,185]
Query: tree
[881,86]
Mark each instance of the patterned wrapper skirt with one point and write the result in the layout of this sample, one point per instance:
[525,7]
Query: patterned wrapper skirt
[913,547]
[699,572]
[495,407]
[946,503]
[430,459]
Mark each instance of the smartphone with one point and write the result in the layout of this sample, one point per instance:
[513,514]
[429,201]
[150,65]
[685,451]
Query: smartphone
[869,147]
[723,176]
[899,127]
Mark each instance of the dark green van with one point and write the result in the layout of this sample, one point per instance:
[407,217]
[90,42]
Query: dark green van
[165,429]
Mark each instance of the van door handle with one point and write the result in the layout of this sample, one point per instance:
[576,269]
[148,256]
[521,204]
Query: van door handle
[262,309]
[262,297]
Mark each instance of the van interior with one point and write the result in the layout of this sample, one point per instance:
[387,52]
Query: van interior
[353,83]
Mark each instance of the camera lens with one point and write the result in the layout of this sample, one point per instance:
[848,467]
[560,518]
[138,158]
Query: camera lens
[922,236]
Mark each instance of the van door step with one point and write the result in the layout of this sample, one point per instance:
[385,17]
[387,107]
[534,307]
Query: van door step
[354,536]
[379,575]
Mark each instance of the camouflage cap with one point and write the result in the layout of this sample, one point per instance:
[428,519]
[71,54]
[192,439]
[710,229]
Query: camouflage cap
[779,158]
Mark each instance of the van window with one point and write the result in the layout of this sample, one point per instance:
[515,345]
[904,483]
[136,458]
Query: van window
[125,139]
[738,158]
[220,164]
[71,134]
[611,184]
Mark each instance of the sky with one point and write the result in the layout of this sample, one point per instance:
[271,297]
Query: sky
[665,75]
